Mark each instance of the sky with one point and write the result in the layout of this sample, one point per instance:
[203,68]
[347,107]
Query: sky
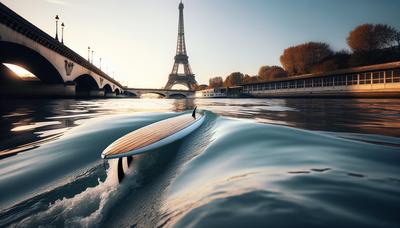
[136,39]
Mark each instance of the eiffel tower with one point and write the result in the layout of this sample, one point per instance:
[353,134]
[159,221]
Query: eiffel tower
[181,58]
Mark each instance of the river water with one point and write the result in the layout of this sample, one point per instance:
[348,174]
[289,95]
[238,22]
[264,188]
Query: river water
[254,163]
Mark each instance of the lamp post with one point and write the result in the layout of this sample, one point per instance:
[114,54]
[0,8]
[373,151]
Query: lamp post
[92,56]
[62,32]
[88,54]
[100,63]
[57,18]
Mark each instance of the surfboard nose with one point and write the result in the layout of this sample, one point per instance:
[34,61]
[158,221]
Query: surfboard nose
[106,152]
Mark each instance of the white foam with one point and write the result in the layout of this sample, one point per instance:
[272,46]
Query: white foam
[87,208]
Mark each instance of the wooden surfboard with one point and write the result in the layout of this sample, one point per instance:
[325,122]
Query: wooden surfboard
[153,136]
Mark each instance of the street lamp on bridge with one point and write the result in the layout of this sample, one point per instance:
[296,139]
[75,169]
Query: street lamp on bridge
[100,63]
[62,32]
[92,56]
[88,53]
[57,18]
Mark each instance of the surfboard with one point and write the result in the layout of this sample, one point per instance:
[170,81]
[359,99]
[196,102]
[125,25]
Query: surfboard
[154,136]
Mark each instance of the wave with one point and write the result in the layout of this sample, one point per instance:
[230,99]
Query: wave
[233,172]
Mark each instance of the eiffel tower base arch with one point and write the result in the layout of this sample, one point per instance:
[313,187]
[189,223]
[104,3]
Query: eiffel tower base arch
[187,80]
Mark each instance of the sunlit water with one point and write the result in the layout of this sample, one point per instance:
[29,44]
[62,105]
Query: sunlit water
[253,163]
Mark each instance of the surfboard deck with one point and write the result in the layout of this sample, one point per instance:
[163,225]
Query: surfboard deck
[153,136]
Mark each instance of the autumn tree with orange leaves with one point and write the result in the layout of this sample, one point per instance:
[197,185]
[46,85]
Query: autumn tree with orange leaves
[234,79]
[301,58]
[369,37]
[216,82]
[268,73]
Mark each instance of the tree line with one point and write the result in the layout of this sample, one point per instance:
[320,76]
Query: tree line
[369,44]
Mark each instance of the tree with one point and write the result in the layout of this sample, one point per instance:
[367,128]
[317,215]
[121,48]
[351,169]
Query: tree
[301,58]
[202,87]
[369,37]
[264,73]
[216,82]
[277,72]
[268,73]
[336,61]
[249,79]
[288,60]
[397,38]
[234,79]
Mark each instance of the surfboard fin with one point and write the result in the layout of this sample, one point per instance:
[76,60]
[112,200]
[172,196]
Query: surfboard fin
[129,160]
[120,170]
[194,112]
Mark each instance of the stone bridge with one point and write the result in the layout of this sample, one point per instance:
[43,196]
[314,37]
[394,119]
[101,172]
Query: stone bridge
[138,92]
[61,71]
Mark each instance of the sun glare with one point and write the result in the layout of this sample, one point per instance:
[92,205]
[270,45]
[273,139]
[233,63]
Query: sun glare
[179,87]
[150,95]
[21,72]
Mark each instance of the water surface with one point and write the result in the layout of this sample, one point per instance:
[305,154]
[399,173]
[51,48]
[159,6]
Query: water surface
[254,162]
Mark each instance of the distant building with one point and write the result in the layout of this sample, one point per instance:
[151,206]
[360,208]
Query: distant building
[220,92]
[381,80]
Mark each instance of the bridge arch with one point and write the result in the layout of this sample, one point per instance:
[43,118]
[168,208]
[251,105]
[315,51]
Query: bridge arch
[153,92]
[117,91]
[180,86]
[85,84]
[107,88]
[177,95]
[30,60]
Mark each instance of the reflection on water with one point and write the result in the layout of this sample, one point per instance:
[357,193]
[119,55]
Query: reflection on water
[285,162]
[373,116]
[24,122]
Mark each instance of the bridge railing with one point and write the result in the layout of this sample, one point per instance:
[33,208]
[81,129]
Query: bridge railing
[17,23]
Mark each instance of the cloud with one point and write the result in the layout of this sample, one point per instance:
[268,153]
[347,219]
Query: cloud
[58,2]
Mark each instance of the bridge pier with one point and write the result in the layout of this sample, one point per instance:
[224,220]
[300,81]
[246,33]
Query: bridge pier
[110,95]
[69,89]
[96,93]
